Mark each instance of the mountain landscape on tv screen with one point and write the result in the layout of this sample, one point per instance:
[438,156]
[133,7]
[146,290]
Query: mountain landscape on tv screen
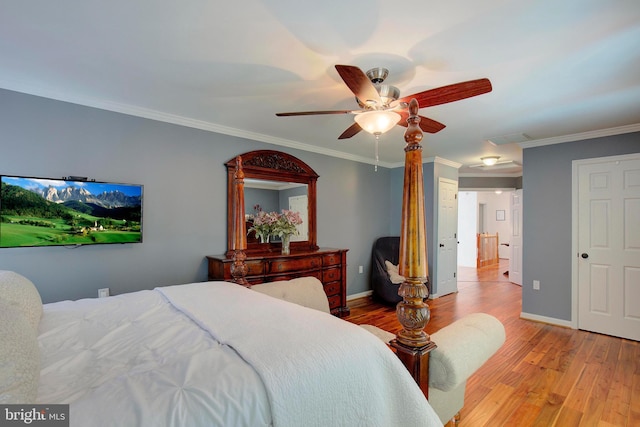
[68,214]
[109,200]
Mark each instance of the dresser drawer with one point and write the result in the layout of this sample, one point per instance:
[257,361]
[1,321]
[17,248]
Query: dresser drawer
[222,271]
[331,259]
[294,264]
[331,274]
[254,268]
[332,288]
[334,302]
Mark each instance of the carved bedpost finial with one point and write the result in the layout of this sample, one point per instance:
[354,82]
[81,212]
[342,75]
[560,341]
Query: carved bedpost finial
[413,134]
[239,268]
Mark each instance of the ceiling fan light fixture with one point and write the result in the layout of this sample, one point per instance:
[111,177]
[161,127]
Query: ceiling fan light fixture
[490,160]
[377,122]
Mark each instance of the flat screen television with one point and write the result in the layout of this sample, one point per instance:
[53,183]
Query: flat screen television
[68,212]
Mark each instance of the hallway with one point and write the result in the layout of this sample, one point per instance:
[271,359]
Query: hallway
[484,274]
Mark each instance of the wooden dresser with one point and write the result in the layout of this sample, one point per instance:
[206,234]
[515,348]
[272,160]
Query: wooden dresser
[328,265]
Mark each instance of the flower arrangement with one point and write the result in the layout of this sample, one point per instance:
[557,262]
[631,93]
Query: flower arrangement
[286,223]
[266,224]
[263,223]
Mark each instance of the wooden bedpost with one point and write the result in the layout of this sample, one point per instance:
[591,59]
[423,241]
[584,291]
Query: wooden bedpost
[412,343]
[239,268]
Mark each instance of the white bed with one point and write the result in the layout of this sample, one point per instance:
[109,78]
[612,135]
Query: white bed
[203,354]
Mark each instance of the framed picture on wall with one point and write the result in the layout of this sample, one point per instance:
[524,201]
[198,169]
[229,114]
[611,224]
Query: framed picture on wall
[499,215]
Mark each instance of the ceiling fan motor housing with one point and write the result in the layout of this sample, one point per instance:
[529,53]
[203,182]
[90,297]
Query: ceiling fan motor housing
[388,93]
[377,75]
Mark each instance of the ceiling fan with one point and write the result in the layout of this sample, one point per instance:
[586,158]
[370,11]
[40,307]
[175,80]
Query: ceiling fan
[373,96]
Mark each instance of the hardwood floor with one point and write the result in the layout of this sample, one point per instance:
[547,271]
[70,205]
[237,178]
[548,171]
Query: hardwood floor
[543,375]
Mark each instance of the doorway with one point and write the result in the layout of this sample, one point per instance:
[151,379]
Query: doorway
[483,210]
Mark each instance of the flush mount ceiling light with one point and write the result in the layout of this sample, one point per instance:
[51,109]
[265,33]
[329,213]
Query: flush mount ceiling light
[377,122]
[490,160]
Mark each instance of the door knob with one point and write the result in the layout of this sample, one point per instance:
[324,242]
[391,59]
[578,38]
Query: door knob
[442,245]
[585,255]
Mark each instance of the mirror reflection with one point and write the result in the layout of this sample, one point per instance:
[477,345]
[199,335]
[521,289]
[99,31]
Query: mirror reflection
[274,196]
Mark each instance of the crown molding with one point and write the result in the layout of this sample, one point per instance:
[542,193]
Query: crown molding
[581,136]
[442,161]
[435,159]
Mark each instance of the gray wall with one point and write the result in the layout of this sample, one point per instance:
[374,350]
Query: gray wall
[182,170]
[269,200]
[547,187]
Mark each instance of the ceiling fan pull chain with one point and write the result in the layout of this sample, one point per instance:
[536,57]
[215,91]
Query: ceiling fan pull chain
[377,158]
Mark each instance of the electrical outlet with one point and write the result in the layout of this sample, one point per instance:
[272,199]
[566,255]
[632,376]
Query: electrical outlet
[536,285]
[360,269]
[103,293]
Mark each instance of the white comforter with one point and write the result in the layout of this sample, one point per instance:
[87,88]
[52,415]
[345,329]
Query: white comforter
[217,354]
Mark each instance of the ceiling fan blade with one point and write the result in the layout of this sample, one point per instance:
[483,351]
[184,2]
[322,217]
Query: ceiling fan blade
[450,93]
[313,113]
[360,85]
[426,124]
[351,131]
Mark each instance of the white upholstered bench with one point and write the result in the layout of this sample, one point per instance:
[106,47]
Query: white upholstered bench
[463,346]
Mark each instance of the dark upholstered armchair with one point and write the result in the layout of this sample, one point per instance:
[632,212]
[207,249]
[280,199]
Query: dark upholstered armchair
[384,249]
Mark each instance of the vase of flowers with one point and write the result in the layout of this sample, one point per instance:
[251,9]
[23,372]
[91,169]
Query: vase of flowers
[286,226]
[263,223]
[286,238]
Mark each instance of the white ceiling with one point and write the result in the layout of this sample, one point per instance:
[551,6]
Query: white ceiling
[558,68]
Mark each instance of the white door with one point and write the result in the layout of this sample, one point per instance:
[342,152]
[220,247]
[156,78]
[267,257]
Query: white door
[515,244]
[608,243]
[447,262]
[300,204]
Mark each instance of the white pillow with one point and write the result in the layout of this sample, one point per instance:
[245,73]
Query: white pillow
[305,291]
[394,276]
[19,356]
[19,291]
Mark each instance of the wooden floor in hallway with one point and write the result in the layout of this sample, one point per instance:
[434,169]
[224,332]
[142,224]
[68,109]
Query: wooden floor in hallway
[543,375]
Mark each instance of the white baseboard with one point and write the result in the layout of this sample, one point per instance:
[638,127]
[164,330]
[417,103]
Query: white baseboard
[549,320]
[360,295]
